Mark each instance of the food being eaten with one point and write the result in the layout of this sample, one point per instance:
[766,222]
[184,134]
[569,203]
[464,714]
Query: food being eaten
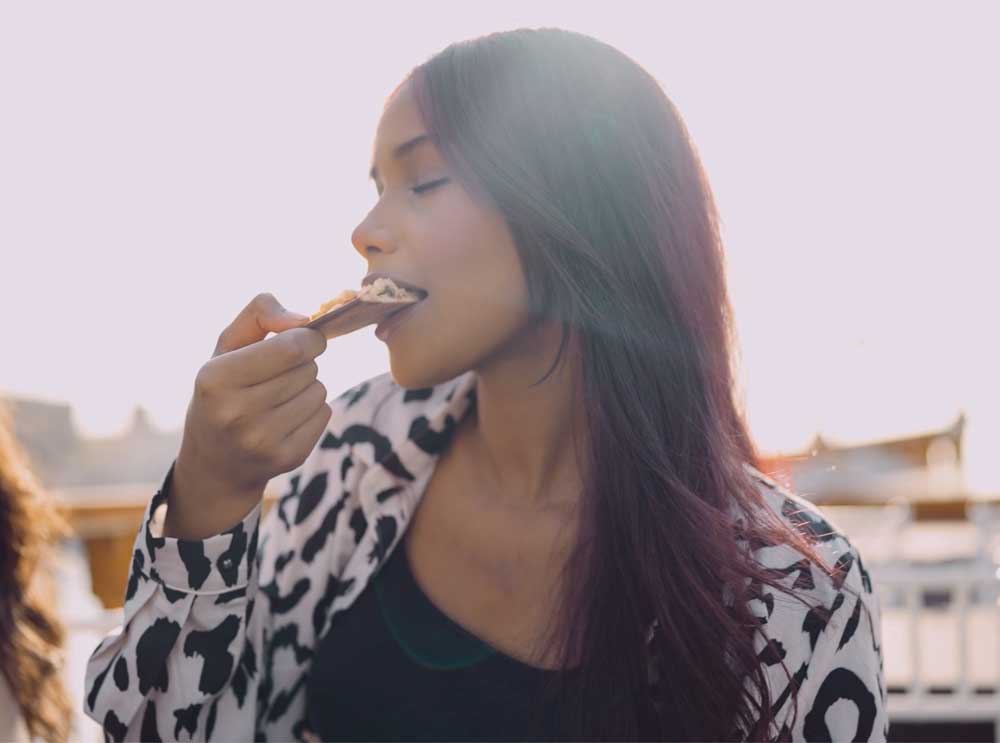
[343,298]
[351,310]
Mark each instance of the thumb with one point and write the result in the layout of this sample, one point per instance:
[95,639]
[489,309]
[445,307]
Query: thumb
[263,315]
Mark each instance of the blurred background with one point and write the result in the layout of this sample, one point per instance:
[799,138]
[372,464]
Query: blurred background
[160,165]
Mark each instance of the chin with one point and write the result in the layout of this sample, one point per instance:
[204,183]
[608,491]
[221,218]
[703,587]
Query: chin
[415,376]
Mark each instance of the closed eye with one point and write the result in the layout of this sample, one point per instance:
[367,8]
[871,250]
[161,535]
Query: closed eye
[428,186]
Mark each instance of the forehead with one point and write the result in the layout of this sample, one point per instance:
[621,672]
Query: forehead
[400,120]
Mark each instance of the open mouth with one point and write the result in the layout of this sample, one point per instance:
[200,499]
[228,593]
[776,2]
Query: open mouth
[379,299]
[389,286]
[384,290]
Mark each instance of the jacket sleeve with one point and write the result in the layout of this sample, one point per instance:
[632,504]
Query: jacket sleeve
[842,695]
[189,636]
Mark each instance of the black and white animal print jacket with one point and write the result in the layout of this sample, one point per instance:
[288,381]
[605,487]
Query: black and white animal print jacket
[218,634]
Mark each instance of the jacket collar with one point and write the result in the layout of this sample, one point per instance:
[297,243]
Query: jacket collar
[418,425]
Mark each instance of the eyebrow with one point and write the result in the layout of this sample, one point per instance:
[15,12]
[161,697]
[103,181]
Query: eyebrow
[401,150]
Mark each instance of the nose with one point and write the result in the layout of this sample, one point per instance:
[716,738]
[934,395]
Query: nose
[371,236]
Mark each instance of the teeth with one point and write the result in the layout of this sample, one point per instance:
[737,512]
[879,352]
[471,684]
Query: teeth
[414,290]
[384,287]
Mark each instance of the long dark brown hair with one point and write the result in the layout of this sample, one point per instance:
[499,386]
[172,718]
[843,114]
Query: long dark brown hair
[591,166]
[31,636]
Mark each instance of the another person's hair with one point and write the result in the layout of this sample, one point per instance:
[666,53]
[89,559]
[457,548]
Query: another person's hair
[31,636]
[592,168]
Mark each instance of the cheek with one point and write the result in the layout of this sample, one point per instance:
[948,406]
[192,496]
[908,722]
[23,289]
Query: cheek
[485,286]
[478,302]
[472,261]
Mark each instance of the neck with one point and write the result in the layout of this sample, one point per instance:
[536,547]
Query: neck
[523,438]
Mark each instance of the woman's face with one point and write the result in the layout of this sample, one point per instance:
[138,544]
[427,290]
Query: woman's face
[426,229]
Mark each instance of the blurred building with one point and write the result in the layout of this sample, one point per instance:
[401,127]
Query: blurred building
[927,466]
[104,484]
[62,458]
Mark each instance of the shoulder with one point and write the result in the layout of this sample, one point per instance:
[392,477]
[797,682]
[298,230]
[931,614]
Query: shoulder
[825,627]
[798,571]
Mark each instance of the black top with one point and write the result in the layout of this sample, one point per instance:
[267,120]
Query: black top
[395,667]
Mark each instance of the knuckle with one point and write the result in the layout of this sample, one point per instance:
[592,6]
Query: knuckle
[251,441]
[319,342]
[222,340]
[311,343]
[263,301]
[289,457]
[206,380]
[294,348]
[226,416]
[278,459]
[305,344]
[320,390]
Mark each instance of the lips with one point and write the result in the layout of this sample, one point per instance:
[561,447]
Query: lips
[389,323]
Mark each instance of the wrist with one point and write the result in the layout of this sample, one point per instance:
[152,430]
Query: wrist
[201,505]
[192,477]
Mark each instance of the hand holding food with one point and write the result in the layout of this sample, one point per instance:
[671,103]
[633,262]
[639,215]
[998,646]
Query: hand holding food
[256,412]
[258,408]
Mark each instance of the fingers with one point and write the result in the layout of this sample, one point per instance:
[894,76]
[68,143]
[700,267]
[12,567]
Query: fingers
[300,442]
[260,398]
[257,408]
[263,315]
[269,358]
[279,422]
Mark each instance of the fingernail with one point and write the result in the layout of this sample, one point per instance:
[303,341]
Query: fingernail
[297,316]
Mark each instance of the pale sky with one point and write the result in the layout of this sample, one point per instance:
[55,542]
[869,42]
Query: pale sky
[162,164]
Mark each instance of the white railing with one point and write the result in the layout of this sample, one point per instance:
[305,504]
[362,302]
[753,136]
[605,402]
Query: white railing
[938,591]
[941,625]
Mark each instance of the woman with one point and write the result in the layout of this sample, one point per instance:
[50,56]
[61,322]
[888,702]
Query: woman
[551,497]
[33,701]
